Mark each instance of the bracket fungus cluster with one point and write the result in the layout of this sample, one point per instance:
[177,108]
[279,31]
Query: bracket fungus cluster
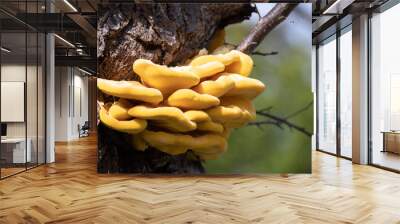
[191,107]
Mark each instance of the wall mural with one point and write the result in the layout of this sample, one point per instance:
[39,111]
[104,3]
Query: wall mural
[204,88]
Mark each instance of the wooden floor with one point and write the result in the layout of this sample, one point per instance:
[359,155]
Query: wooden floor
[387,159]
[5,172]
[70,191]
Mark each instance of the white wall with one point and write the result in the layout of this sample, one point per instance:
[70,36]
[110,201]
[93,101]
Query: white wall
[71,102]
[80,98]
[33,127]
[15,72]
[61,103]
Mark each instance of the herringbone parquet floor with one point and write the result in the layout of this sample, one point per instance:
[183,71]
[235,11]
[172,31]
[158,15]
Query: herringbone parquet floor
[70,191]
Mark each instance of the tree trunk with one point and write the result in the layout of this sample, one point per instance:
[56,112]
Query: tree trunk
[163,33]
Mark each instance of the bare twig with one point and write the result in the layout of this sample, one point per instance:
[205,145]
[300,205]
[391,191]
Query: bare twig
[259,124]
[257,52]
[294,114]
[265,25]
[264,53]
[279,121]
[266,109]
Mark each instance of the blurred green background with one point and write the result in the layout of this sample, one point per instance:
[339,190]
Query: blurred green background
[287,77]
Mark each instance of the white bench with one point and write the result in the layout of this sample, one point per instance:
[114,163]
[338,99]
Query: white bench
[18,154]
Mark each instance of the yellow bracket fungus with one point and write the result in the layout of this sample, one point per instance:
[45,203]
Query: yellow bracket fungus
[130,90]
[171,118]
[235,62]
[210,126]
[197,115]
[243,66]
[208,69]
[166,79]
[119,110]
[233,112]
[191,100]
[132,126]
[217,87]
[223,114]
[174,142]
[244,86]
[225,59]
[247,111]
[192,107]
[171,149]
[227,132]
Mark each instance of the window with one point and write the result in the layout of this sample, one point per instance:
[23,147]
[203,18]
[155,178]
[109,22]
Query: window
[346,93]
[333,77]
[22,77]
[385,89]
[327,96]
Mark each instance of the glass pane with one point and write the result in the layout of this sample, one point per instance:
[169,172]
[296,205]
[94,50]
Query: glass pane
[386,89]
[41,98]
[346,94]
[32,87]
[313,78]
[327,97]
[13,85]
[31,99]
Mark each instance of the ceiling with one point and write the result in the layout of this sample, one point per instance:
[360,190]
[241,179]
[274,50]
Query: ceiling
[332,15]
[76,20]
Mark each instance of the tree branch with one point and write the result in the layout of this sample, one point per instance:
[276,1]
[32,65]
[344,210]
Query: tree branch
[267,23]
[256,52]
[279,121]
[294,114]
[264,53]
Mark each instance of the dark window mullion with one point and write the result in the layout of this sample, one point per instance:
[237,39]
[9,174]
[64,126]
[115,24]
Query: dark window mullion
[317,96]
[37,90]
[369,90]
[44,78]
[26,86]
[0,93]
[338,80]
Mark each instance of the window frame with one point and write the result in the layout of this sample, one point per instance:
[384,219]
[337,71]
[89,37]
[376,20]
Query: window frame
[378,10]
[334,37]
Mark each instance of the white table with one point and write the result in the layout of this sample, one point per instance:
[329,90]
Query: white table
[19,155]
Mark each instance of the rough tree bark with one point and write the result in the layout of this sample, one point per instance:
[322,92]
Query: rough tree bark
[164,33]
